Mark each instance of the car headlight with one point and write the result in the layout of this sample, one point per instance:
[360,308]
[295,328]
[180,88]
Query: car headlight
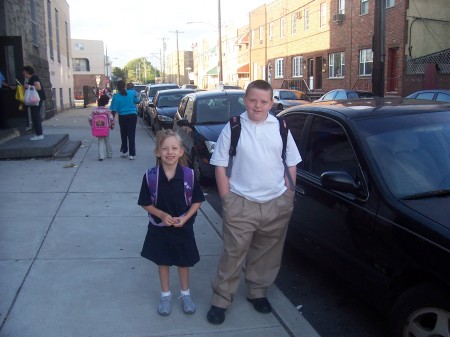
[163,118]
[210,146]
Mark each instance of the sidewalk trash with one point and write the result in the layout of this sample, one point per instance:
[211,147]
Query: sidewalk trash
[70,165]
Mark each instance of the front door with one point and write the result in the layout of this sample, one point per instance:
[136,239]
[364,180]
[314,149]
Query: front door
[392,70]
[318,72]
[311,73]
[11,63]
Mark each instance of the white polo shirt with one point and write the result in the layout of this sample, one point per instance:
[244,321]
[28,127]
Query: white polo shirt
[258,171]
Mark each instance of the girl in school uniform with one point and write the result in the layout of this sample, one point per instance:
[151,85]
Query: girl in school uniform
[170,237]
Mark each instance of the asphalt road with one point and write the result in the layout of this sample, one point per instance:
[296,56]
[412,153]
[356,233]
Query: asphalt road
[328,305]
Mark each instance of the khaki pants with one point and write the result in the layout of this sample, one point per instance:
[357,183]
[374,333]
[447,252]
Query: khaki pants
[253,238]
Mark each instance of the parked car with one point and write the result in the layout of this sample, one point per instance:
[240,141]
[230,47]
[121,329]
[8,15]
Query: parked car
[189,86]
[433,95]
[152,89]
[227,86]
[164,106]
[200,118]
[285,98]
[373,204]
[344,94]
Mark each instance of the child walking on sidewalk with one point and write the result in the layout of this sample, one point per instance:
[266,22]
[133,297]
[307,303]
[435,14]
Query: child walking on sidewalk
[102,118]
[171,195]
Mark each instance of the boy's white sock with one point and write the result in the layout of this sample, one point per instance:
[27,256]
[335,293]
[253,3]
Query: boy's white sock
[166,293]
[185,292]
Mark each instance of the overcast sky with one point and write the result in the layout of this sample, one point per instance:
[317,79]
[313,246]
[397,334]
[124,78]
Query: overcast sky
[135,28]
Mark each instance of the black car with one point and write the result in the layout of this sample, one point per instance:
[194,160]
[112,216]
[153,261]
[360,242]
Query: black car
[345,94]
[199,120]
[152,89]
[373,204]
[164,106]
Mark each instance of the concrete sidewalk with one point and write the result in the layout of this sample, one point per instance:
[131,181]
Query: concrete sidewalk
[70,239]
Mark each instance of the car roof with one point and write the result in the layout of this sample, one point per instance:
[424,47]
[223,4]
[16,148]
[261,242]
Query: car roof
[431,90]
[371,108]
[216,93]
[174,91]
[162,85]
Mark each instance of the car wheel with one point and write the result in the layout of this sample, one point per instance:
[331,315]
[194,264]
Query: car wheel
[422,311]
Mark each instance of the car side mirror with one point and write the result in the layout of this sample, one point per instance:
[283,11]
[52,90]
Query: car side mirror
[340,181]
[183,122]
[276,97]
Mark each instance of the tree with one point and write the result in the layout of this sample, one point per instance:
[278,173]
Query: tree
[140,70]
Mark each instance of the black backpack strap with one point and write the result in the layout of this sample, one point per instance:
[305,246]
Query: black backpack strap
[235,126]
[284,134]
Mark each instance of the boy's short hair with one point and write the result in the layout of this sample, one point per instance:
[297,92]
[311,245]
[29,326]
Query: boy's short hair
[259,84]
[103,100]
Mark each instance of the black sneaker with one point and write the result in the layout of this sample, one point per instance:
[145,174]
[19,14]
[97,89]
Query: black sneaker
[261,304]
[216,315]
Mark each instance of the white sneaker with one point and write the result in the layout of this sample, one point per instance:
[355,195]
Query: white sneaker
[124,154]
[188,305]
[131,157]
[164,305]
[37,137]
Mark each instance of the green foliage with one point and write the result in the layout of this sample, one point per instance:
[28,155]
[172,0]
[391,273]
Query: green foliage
[140,70]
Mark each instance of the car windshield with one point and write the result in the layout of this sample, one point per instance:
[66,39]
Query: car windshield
[218,110]
[294,95]
[170,100]
[412,152]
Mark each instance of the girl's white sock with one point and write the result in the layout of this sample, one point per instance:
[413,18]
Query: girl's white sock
[166,293]
[185,292]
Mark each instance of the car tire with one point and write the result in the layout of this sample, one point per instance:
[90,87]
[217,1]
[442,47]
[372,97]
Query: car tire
[421,311]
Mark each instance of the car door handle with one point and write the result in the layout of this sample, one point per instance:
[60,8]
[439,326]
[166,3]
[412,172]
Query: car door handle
[299,190]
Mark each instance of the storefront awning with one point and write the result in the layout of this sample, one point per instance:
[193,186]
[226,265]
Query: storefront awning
[244,69]
[214,71]
[244,39]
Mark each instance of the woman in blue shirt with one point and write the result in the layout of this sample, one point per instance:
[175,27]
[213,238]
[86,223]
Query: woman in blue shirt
[124,104]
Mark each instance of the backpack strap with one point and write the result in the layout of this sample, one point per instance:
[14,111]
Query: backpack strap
[188,182]
[152,176]
[284,134]
[235,125]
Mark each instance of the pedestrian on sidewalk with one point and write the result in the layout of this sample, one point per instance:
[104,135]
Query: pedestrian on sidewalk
[104,144]
[124,104]
[32,79]
[257,201]
[171,195]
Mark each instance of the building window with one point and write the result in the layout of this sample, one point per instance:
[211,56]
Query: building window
[282,34]
[61,98]
[364,7]
[297,66]
[341,6]
[50,29]
[390,3]
[365,62]
[306,19]
[34,28]
[261,34]
[323,14]
[67,43]
[271,31]
[279,68]
[58,47]
[294,23]
[253,38]
[336,65]
[81,65]
[79,46]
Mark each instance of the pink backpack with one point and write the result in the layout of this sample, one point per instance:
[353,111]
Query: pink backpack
[100,125]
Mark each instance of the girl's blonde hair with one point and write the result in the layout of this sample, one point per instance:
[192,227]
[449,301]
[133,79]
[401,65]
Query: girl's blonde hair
[161,136]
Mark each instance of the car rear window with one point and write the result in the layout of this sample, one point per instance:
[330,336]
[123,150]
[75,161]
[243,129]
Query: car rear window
[154,90]
[219,109]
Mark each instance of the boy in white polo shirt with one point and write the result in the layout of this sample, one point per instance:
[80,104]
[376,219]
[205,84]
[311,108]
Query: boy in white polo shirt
[257,203]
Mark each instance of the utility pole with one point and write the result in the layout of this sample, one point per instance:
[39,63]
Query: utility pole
[378,48]
[220,43]
[163,60]
[178,55]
